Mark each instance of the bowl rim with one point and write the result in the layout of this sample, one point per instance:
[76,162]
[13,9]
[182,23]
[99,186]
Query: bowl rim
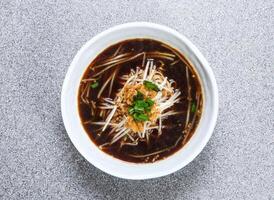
[204,64]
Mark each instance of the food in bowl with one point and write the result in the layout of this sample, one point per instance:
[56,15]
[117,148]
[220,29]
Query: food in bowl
[140,100]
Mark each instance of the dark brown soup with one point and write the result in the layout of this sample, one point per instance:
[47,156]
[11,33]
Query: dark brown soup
[140,100]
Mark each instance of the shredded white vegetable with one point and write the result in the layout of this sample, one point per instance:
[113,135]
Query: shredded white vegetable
[162,101]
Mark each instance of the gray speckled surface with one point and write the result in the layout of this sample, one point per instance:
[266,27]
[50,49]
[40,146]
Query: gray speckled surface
[38,40]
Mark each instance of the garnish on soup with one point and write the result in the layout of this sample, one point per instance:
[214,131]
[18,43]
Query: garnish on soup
[140,100]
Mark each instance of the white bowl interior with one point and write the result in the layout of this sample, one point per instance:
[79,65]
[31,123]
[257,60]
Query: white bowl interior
[113,165]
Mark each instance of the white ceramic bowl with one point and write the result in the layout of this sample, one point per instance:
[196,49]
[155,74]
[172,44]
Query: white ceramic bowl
[113,165]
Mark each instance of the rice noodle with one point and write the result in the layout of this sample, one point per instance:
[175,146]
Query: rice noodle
[88,80]
[175,62]
[109,118]
[160,125]
[104,145]
[103,87]
[188,97]
[83,93]
[117,63]
[146,69]
[111,82]
[144,60]
[123,133]
[150,154]
[117,51]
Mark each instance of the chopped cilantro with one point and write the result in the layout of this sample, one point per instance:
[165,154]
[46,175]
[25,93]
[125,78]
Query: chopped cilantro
[138,96]
[140,107]
[193,107]
[94,85]
[151,86]
[140,117]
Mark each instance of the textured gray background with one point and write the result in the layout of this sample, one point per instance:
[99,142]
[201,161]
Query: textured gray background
[39,39]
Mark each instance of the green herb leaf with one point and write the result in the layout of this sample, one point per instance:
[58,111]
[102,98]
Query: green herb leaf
[140,107]
[141,103]
[131,110]
[148,109]
[94,85]
[138,96]
[193,107]
[140,117]
[150,102]
[151,86]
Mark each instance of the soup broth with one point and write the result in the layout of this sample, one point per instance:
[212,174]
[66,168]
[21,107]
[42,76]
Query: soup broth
[140,100]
